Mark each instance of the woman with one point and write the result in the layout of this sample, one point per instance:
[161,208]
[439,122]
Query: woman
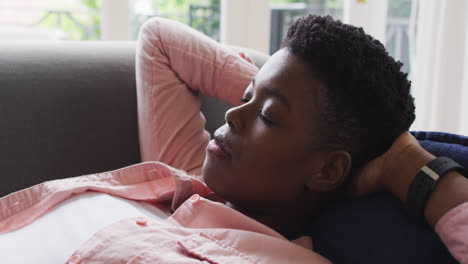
[306,129]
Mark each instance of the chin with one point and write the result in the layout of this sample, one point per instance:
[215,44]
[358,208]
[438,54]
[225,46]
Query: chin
[213,179]
[212,171]
[209,176]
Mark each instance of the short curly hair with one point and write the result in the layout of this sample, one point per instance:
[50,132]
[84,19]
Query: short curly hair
[368,100]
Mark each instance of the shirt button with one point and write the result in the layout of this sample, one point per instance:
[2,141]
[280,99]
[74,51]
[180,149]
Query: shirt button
[75,259]
[195,198]
[141,220]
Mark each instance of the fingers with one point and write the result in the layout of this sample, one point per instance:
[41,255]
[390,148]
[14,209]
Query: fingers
[245,57]
[366,180]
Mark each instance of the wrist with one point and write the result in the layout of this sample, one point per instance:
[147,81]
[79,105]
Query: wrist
[449,192]
[404,168]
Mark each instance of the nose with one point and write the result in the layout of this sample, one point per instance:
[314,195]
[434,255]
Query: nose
[233,119]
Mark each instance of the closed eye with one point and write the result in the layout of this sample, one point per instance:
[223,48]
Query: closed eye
[265,119]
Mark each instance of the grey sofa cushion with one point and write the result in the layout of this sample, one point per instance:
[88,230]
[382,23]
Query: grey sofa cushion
[69,109]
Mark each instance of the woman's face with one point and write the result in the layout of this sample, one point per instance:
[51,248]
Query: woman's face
[270,139]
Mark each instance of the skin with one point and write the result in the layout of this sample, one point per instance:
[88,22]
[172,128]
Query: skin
[278,173]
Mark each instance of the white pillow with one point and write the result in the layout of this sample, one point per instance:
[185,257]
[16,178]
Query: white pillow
[53,237]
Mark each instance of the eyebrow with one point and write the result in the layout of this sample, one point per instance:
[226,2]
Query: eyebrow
[275,93]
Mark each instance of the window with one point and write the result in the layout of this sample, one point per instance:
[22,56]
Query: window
[50,20]
[397,34]
[285,12]
[203,15]
[81,19]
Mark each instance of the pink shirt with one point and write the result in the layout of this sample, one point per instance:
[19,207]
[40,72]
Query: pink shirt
[174,63]
[199,229]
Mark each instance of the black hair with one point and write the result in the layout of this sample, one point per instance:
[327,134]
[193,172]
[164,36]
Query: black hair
[368,100]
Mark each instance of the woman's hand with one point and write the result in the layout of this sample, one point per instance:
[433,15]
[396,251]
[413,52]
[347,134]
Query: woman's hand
[392,171]
[245,57]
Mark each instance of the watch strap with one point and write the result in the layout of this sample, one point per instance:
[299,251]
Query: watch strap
[424,183]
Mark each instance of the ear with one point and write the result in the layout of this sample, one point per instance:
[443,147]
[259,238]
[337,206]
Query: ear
[332,171]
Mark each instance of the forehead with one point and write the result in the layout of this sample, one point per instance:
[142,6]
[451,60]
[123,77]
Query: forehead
[292,77]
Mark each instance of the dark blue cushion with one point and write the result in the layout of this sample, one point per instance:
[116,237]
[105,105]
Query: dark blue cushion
[377,229]
[445,144]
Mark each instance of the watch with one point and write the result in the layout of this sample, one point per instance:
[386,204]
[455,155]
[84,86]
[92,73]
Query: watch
[424,183]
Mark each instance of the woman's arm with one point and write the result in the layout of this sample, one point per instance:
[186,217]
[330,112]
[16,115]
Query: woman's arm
[200,62]
[450,191]
[173,64]
[447,207]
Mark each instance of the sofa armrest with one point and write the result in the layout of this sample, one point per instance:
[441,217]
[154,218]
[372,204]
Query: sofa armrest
[67,109]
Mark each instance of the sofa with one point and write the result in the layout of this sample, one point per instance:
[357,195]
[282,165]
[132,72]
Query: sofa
[69,109]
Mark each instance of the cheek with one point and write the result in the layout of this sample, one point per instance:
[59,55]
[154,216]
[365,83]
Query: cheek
[269,148]
[260,146]
[267,160]
[281,158]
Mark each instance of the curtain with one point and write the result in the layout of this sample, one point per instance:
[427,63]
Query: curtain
[439,68]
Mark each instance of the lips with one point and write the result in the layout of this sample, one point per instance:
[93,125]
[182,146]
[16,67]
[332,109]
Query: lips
[218,147]
[221,142]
